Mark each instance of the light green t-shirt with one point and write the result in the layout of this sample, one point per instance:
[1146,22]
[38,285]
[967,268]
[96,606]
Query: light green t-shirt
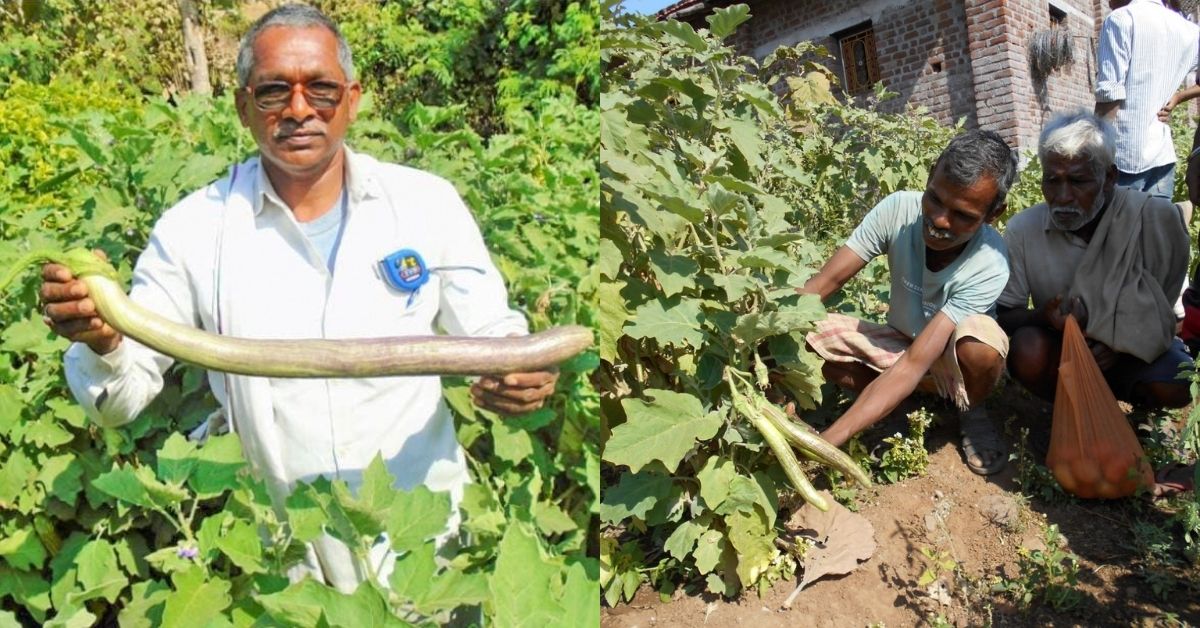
[969,285]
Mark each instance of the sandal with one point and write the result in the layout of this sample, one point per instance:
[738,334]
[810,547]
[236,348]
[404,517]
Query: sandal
[1169,482]
[979,436]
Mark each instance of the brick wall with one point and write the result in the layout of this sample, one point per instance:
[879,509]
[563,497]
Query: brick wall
[960,59]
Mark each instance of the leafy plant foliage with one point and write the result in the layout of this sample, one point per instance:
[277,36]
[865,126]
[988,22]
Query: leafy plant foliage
[137,525]
[722,190]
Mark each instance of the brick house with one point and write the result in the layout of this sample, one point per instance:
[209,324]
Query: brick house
[957,58]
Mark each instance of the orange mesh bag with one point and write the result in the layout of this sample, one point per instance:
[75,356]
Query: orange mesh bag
[1093,450]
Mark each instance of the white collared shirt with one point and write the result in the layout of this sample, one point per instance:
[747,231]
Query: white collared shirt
[275,284]
[1146,51]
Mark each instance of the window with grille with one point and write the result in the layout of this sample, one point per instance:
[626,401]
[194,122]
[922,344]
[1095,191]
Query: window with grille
[860,62]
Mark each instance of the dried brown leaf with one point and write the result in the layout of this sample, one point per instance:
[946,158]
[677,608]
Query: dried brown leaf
[842,539]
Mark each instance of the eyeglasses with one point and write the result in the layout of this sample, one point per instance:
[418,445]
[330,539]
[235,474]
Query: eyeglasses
[275,95]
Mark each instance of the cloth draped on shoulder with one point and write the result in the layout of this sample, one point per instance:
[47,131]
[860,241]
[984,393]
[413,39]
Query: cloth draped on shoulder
[1131,274]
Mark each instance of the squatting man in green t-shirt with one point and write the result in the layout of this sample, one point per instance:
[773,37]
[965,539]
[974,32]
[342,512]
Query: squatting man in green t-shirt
[948,266]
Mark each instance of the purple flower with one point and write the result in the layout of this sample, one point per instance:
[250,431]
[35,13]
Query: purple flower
[188,552]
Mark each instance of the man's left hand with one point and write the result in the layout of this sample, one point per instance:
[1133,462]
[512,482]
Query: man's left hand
[515,393]
[1104,354]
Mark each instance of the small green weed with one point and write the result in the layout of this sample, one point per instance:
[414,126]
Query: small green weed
[937,562]
[1046,576]
[1036,481]
[907,457]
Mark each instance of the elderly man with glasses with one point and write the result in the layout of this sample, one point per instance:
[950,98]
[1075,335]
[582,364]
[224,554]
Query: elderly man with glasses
[308,240]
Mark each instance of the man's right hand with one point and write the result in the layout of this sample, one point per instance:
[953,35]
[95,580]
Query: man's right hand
[1055,312]
[67,309]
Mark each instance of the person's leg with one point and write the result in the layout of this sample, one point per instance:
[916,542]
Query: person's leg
[1154,384]
[849,375]
[1160,181]
[1033,358]
[979,350]
[981,367]
[1157,181]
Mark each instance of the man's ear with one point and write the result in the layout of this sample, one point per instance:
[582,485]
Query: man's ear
[354,94]
[1110,179]
[995,213]
[241,102]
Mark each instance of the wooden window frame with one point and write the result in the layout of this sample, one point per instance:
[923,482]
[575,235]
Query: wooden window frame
[863,34]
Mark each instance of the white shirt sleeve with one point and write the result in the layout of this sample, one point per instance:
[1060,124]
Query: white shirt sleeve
[1113,57]
[114,388]
[472,303]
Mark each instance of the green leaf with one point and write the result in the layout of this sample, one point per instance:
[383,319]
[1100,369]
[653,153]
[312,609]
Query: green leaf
[764,257]
[722,22]
[482,515]
[754,541]
[746,137]
[751,328]
[23,550]
[512,443]
[10,408]
[675,273]
[613,316]
[72,617]
[31,336]
[452,589]
[715,478]
[551,519]
[416,516]
[670,322]
[217,465]
[663,429]
[176,459]
[735,286]
[683,539]
[721,201]
[65,411]
[45,433]
[368,513]
[98,574]
[305,514]
[520,584]
[684,33]
[15,474]
[195,601]
[123,484]
[308,603]
[633,496]
[709,548]
[162,494]
[145,606]
[579,598]
[610,259]
[412,577]
[243,546]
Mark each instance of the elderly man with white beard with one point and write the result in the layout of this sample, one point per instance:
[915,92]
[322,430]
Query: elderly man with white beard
[1111,256]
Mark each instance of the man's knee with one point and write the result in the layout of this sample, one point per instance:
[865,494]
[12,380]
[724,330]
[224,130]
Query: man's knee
[977,358]
[1031,354]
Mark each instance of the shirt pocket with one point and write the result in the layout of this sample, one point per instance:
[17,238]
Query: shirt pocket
[396,312]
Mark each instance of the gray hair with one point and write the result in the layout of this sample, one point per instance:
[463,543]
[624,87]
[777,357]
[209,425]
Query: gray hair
[977,153]
[292,16]
[1080,133]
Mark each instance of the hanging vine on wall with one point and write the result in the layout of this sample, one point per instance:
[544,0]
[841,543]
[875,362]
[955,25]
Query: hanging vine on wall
[1049,50]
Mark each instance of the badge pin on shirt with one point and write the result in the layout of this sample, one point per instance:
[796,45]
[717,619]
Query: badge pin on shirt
[406,271]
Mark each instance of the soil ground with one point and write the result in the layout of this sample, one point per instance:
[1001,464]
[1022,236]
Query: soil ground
[983,522]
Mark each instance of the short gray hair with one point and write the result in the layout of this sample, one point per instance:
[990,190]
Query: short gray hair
[974,154]
[291,16]
[1080,133]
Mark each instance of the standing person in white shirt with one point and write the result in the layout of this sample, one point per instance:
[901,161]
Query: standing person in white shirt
[1146,51]
[288,246]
